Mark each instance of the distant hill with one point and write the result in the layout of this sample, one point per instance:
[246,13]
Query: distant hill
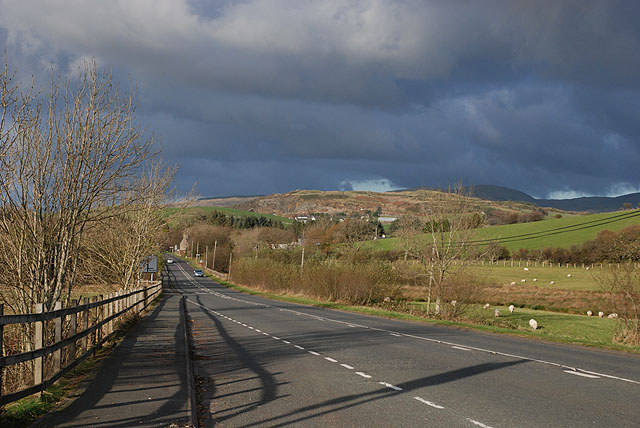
[592,204]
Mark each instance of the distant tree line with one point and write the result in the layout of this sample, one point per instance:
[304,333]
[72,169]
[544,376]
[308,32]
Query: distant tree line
[219,218]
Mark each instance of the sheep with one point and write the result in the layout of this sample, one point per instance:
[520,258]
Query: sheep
[613,315]
[552,282]
[523,280]
[486,306]
[535,279]
[496,313]
[600,314]
[589,313]
[568,275]
[533,324]
[526,269]
[511,308]
[453,303]
[513,283]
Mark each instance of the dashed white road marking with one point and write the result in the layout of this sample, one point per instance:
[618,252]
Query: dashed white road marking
[330,359]
[364,375]
[428,403]
[313,352]
[388,385]
[590,376]
[299,347]
[287,342]
[347,366]
[480,424]
[276,338]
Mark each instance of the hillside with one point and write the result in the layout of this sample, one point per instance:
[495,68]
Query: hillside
[554,232]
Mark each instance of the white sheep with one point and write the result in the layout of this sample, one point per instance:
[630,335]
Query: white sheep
[589,313]
[600,314]
[526,269]
[511,308]
[453,303]
[523,280]
[535,279]
[496,313]
[513,283]
[568,275]
[486,306]
[552,282]
[613,315]
[587,267]
[533,324]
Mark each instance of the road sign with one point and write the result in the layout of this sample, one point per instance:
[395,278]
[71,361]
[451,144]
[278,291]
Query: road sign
[150,264]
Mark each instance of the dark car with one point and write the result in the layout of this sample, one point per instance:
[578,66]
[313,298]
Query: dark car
[198,272]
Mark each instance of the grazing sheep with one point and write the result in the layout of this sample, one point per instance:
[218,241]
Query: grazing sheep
[613,315]
[496,313]
[533,324]
[513,283]
[535,279]
[453,303]
[387,299]
[526,269]
[486,306]
[523,280]
[600,314]
[552,282]
[587,267]
[511,308]
[568,275]
[589,313]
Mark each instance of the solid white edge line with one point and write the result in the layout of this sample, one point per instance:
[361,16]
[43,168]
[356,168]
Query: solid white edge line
[590,376]
[460,348]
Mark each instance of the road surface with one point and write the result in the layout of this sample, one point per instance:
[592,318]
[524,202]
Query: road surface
[262,363]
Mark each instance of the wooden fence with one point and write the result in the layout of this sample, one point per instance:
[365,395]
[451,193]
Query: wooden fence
[95,317]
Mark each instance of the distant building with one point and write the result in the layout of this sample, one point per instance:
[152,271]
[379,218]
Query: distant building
[387,219]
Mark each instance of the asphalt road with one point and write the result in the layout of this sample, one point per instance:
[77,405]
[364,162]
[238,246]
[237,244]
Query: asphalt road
[262,363]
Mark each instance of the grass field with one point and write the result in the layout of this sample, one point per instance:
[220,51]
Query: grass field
[192,211]
[554,232]
[580,279]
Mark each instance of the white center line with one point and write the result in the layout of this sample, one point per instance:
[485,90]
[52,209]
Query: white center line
[259,331]
[364,375]
[276,338]
[287,342]
[581,374]
[347,366]
[480,424]
[428,403]
[388,385]
[330,359]
[298,346]
[313,353]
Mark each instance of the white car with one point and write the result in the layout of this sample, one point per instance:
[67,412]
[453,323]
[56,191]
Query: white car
[198,272]
[169,261]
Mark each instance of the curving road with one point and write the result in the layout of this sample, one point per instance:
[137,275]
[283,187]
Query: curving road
[262,363]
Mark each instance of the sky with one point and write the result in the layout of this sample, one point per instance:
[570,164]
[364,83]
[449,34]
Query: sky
[267,96]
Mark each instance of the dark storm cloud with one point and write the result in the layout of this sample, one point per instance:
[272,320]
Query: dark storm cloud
[262,96]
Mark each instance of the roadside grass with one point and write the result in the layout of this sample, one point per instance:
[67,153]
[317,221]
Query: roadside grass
[24,412]
[540,234]
[553,326]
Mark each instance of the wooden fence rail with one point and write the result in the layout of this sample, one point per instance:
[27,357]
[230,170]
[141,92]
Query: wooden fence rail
[105,313]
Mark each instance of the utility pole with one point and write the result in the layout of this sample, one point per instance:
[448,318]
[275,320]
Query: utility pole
[191,249]
[206,256]
[302,261]
[230,260]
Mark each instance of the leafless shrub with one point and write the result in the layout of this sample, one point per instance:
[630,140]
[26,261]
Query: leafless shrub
[622,288]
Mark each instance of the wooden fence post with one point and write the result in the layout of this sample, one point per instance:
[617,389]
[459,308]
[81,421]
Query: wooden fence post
[73,329]
[85,325]
[57,354]
[38,343]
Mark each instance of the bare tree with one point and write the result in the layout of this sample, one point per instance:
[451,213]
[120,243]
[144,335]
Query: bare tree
[622,289]
[71,158]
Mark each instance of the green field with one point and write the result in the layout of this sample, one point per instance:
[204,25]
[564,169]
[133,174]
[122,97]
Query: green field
[580,279]
[193,211]
[554,232]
